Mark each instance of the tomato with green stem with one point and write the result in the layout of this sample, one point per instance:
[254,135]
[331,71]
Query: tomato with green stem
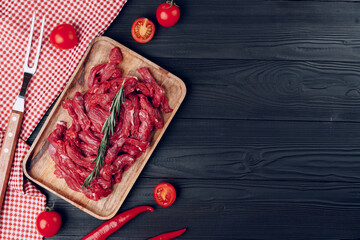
[48,222]
[168,14]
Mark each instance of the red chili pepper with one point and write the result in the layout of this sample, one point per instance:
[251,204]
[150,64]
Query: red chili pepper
[109,227]
[169,235]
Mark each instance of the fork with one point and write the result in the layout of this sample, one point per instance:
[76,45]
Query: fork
[17,113]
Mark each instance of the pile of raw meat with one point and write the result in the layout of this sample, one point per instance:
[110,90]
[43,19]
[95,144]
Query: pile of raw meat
[74,149]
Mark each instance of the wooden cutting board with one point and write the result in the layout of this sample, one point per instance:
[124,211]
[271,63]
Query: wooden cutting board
[38,165]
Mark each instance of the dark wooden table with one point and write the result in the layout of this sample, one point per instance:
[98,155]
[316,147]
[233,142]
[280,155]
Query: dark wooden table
[267,142]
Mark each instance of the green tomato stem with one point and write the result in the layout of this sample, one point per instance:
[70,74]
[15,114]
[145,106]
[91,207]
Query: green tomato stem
[171,3]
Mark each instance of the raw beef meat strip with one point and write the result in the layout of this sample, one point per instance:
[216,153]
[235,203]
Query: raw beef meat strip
[74,149]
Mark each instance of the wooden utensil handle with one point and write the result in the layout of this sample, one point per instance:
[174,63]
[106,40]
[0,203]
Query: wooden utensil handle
[8,150]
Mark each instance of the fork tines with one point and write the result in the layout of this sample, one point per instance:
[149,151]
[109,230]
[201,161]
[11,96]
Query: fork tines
[27,69]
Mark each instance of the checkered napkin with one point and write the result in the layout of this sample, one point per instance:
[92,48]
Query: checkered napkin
[23,202]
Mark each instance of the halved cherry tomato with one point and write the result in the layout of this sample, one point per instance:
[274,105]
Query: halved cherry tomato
[48,222]
[143,30]
[168,14]
[64,36]
[164,194]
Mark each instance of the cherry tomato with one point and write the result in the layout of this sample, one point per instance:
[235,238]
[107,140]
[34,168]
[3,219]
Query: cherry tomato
[64,36]
[168,14]
[143,30]
[164,194]
[48,223]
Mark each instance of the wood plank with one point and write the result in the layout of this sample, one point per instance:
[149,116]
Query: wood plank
[269,90]
[242,209]
[283,30]
[258,150]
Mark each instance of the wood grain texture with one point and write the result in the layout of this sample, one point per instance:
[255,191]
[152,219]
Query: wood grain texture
[266,143]
[272,150]
[8,150]
[261,29]
[38,165]
[269,90]
[238,209]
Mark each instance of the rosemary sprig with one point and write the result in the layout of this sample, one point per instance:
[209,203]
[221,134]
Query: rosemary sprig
[107,129]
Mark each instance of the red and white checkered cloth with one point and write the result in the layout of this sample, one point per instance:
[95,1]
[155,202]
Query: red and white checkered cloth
[23,202]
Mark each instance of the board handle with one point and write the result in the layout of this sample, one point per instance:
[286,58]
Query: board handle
[8,150]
